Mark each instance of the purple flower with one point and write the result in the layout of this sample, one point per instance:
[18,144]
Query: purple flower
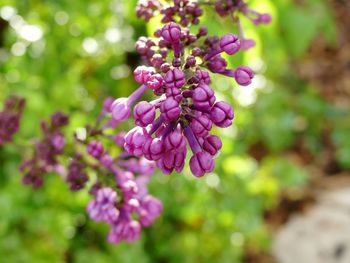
[212,144]
[203,76]
[171,32]
[201,125]
[175,141]
[243,75]
[142,74]
[203,96]
[128,230]
[129,188]
[230,44]
[222,114]
[95,149]
[155,82]
[144,113]
[201,163]
[102,208]
[175,78]
[151,210]
[77,176]
[172,160]
[134,141]
[217,64]
[120,109]
[170,109]
[153,149]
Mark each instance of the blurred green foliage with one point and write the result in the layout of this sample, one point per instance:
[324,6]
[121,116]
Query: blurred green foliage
[84,54]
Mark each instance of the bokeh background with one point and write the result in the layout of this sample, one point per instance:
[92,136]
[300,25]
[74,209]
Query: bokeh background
[290,140]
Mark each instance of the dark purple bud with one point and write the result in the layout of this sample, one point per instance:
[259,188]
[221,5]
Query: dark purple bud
[175,141]
[176,62]
[165,67]
[144,113]
[202,31]
[212,144]
[244,75]
[172,160]
[190,61]
[203,76]
[230,43]
[95,149]
[170,109]
[153,149]
[201,163]
[201,125]
[196,52]
[171,32]
[217,64]
[175,78]
[134,141]
[222,114]
[203,97]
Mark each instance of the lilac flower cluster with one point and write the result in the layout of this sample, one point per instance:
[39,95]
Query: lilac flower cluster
[177,69]
[127,207]
[10,118]
[120,193]
[186,12]
[46,151]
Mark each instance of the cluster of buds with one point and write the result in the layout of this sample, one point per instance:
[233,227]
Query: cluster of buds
[186,108]
[186,13]
[177,69]
[233,8]
[46,151]
[10,118]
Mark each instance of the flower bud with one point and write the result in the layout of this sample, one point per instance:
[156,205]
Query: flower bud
[153,149]
[222,114]
[171,32]
[203,97]
[120,109]
[134,141]
[201,125]
[175,78]
[201,163]
[155,82]
[212,144]
[95,149]
[142,74]
[144,113]
[244,75]
[170,109]
[230,43]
